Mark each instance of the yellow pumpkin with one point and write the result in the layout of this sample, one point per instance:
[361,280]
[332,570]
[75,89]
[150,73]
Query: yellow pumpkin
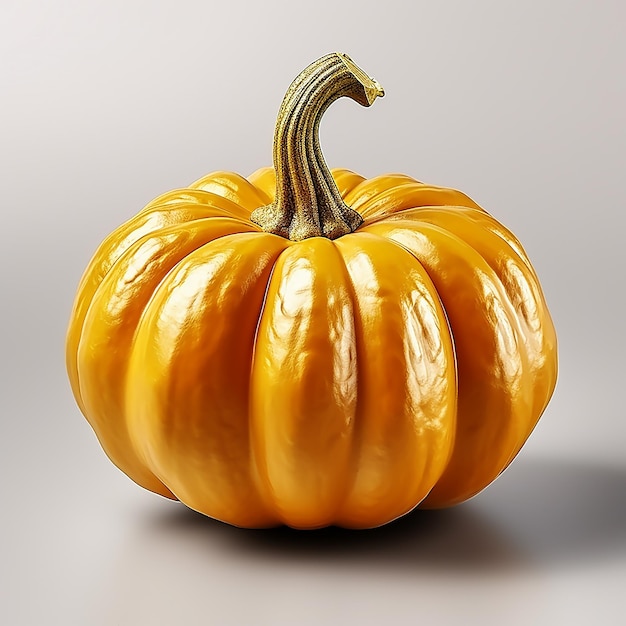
[307,347]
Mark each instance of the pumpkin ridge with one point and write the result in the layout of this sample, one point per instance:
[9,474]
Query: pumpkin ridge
[497,228]
[100,267]
[413,196]
[372,187]
[356,434]
[394,319]
[303,385]
[177,427]
[259,474]
[156,261]
[475,217]
[539,340]
[264,181]
[233,187]
[345,180]
[519,414]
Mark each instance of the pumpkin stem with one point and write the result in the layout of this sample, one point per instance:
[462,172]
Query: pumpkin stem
[308,203]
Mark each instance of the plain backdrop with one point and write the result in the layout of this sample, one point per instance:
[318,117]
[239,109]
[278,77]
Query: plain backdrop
[105,105]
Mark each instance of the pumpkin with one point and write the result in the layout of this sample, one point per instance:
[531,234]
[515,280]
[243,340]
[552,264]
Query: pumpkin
[308,347]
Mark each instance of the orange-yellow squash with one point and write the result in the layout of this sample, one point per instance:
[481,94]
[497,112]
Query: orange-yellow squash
[350,350]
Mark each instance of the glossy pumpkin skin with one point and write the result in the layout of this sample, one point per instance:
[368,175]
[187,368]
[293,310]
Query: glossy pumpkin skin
[263,381]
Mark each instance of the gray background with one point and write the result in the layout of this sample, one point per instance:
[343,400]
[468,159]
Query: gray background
[105,105]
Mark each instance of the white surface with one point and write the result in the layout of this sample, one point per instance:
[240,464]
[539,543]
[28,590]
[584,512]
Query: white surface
[107,105]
